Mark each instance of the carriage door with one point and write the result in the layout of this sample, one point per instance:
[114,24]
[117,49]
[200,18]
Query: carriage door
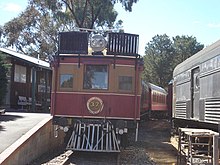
[195,95]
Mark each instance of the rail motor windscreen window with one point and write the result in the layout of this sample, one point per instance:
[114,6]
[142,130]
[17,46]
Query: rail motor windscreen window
[95,77]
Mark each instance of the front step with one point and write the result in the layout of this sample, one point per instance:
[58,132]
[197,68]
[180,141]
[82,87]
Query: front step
[93,137]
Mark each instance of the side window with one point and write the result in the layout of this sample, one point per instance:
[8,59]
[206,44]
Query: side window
[20,74]
[144,94]
[125,83]
[197,83]
[95,77]
[154,97]
[66,81]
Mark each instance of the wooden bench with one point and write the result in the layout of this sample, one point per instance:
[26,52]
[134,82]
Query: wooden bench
[22,101]
[2,111]
[29,103]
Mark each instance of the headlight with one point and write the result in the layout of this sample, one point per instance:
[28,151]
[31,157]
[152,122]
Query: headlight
[121,131]
[65,129]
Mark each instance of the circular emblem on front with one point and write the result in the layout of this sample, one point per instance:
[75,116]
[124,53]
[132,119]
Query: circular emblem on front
[95,105]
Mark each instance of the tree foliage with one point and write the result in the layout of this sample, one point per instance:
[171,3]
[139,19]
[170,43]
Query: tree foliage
[1,34]
[1,31]
[3,77]
[162,55]
[185,46]
[158,60]
[35,30]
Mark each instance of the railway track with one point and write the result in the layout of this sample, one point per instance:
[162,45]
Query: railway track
[61,159]
[94,158]
[86,158]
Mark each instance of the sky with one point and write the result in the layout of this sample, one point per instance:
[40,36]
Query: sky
[197,18]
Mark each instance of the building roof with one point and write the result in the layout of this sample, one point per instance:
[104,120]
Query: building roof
[27,58]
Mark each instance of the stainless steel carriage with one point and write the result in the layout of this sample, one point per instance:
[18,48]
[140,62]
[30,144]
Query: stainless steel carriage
[196,90]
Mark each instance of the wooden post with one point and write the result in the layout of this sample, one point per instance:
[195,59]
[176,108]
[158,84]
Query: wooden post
[215,150]
[33,104]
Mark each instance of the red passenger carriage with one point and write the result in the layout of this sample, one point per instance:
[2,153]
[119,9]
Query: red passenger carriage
[153,101]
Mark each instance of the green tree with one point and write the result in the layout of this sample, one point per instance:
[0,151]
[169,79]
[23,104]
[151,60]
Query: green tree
[158,60]
[35,30]
[3,77]
[163,54]
[1,31]
[185,46]
[1,34]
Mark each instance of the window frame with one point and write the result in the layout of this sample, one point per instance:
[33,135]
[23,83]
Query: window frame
[19,71]
[127,76]
[60,78]
[85,72]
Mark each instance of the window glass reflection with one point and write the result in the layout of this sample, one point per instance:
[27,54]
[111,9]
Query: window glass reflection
[125,83]
[66,80]
[95,77]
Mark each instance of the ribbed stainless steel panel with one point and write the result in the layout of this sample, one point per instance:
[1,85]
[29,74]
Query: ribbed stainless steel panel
[180,109]
[212,110]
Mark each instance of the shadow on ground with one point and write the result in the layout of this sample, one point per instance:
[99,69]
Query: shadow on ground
[7,118]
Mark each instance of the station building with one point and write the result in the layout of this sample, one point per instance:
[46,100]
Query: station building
[29,83]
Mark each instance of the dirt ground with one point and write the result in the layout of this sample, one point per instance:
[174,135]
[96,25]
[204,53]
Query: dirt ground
[156,140]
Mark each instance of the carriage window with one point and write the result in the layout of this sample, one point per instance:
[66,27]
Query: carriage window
[125,83]
[95,77]
[66,80]
[154,97]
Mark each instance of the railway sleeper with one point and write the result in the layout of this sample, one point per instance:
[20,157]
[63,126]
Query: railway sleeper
[97,137]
